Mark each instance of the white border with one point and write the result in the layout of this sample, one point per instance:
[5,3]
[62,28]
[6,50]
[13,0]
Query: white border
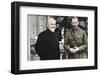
[26,65]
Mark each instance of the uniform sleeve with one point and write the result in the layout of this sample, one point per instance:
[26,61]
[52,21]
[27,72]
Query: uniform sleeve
[66,47]
[85,44]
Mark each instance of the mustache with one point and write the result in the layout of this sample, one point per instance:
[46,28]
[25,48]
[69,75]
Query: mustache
[52,27]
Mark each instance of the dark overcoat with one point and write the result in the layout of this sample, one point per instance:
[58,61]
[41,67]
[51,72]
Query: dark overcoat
[47,45]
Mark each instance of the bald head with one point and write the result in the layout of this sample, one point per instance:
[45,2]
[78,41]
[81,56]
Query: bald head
[51,20]
[51,24]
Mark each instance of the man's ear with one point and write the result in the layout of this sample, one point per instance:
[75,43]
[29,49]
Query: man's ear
[78,23]
[47,26]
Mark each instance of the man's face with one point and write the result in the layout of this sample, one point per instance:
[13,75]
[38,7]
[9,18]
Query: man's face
[51,25]
[74,23]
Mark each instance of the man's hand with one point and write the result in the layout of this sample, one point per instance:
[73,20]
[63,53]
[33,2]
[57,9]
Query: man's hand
[74,50]
[77,49]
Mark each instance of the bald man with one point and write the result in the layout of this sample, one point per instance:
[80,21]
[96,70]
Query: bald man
[47,45]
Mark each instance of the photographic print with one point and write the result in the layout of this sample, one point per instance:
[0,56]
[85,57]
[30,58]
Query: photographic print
[52,37]
[70,34]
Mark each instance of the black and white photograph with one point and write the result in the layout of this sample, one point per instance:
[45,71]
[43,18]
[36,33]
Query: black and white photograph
[57,37]
[52,37]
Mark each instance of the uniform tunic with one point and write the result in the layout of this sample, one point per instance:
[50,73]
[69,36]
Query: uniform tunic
[76,38]
[47,45]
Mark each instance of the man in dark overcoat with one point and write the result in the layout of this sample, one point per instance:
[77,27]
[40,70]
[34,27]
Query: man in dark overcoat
[47,45]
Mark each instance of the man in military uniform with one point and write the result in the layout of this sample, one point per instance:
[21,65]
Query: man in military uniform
[75,41]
